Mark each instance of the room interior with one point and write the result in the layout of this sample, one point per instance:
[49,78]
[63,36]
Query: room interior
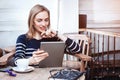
[98,19]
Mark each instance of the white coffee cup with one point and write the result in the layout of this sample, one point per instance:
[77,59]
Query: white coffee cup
[22,64]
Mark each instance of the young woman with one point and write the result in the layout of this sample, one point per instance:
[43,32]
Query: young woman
[28,44]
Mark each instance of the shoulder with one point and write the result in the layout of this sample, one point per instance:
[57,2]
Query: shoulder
[22,38]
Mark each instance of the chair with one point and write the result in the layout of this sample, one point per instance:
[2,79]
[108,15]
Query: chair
[7,53]
[78,61]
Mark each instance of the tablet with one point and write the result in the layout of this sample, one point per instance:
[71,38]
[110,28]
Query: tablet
[56,52]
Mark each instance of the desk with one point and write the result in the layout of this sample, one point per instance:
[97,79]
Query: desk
[37,74]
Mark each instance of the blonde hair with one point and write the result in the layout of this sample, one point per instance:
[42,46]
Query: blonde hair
[33,12]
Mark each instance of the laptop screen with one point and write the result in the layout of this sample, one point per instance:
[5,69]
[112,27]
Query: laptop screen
[55,50]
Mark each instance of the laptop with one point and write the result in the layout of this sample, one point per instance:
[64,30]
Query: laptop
[56,52]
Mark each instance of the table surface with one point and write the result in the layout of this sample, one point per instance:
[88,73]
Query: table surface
[37,74]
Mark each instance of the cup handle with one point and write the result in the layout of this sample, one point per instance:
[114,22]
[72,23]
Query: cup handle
[16,62]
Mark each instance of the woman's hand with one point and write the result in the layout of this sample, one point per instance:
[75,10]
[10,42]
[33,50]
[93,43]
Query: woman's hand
[38,56]
[48,34]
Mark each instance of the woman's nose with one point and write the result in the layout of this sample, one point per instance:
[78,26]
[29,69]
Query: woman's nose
[43,23]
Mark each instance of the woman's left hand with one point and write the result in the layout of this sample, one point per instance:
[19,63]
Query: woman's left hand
[48,34]
[38,56]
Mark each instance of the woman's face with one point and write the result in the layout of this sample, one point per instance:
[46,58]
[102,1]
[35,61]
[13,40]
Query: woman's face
[41,21]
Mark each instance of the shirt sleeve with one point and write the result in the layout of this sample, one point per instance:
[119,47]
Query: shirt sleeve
[20,47]
[72,47]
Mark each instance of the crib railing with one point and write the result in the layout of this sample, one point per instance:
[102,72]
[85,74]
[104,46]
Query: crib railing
[105,50]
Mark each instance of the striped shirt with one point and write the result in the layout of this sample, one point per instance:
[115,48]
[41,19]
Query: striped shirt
[25,47]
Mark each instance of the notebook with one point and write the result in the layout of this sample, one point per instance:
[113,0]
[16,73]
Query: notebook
[56,53]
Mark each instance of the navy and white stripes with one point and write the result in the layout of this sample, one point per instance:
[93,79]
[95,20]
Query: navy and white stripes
[72,47]
[25,47]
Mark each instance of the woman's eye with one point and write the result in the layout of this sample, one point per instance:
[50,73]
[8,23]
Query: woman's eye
[39,20]
[47,20]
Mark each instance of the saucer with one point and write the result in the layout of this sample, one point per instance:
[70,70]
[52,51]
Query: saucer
[29,69]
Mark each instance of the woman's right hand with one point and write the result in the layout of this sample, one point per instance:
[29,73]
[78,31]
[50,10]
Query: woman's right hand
[38,56]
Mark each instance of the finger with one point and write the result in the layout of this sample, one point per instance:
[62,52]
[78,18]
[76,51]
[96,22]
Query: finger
[39,52]
[38,49]
[44,36]
[38,59]
[43,33]
[53,35]
[48,32]
[45,54]
[53,31]
[41,55]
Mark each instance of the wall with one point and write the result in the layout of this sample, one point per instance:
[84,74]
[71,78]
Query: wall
[68,22]
[14,15]
[101,13]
